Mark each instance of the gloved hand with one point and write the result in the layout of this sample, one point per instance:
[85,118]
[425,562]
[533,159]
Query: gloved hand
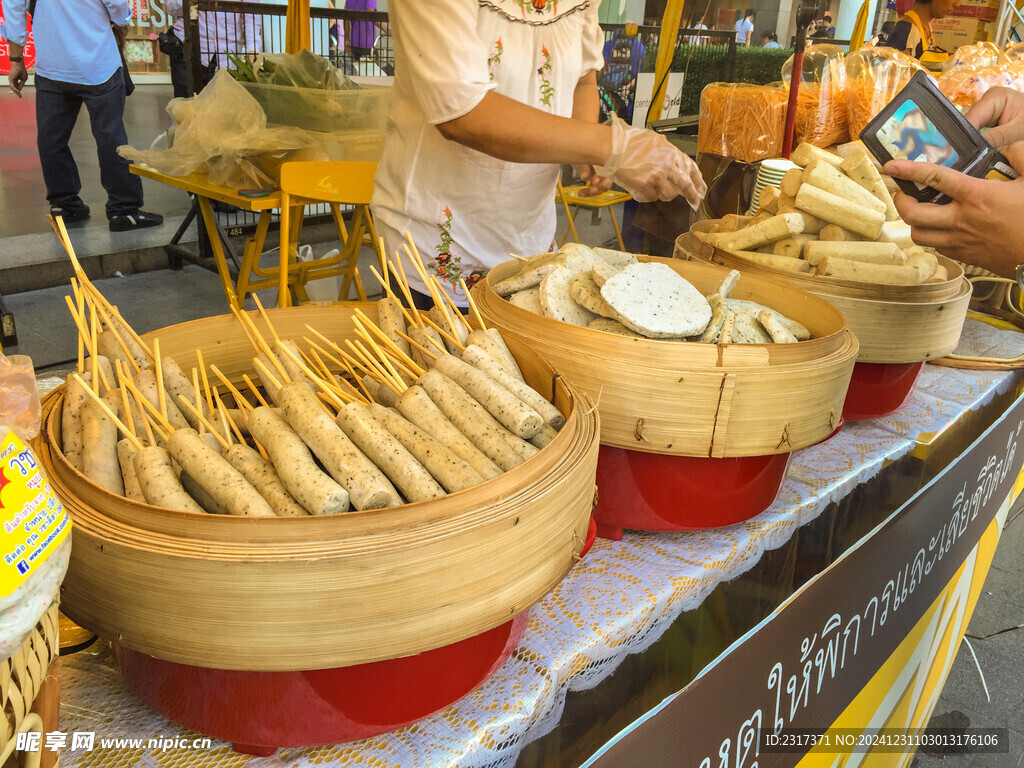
[647,166]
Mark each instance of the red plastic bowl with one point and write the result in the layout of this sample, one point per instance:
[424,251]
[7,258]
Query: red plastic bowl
[878,389]
[261,711]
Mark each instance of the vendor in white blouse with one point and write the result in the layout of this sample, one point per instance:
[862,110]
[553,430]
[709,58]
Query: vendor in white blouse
[490,97]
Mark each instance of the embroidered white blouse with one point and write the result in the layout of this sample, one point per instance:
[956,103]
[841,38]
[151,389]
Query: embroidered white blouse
[464,209]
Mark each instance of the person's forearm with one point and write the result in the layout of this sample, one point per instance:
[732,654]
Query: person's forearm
[15,49]
[586,104]
[510,130]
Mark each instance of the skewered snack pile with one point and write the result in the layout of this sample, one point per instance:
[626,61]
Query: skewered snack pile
[832,218]
[421,405]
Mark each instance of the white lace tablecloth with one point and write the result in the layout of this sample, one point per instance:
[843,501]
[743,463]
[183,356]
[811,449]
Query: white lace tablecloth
[617,601]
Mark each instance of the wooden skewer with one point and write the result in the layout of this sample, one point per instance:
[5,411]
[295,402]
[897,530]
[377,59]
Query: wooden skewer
[110,414]
[121,377]
[337,382]
[198,395]
[322,385]
[255,390]
[318,349]
[443,306]
[324,339]
[128,417]
[404,285]
[262,345]
[80,300]
[383,358]
[206,379]
[358,380]
[391,294]
[116,314]
[245,327]
[257,363]
[161,392]
[420,347]
[105,317]
[83,333]
[93,350]
[517,256]
[364,323]
[148,406]
[447,336]
[472,305]
[456,310]
[266,318]
[213,430]
[382,373]
[226,419]
[240,399]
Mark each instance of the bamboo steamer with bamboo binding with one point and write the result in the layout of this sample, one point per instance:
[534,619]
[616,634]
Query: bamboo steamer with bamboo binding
[286,594]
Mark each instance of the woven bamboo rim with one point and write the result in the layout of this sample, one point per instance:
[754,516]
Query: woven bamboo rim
[675,398]
[22,675]
[691,246]
[894,324]
[320,592]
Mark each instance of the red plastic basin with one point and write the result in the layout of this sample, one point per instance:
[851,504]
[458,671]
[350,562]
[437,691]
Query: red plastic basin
[878,389]
[261,711]
[655,492]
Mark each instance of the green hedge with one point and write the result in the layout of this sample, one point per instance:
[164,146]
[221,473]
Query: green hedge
[705,64]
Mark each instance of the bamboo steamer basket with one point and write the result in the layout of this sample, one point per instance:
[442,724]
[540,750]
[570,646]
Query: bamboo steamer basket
[22,678]
[285,594]
[699,400]
[894,323]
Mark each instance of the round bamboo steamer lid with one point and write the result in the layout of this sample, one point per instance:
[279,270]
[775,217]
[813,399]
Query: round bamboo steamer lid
[893,323]
[285,594]
[688,399]
[691,245]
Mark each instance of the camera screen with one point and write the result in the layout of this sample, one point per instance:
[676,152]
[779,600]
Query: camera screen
[910,135]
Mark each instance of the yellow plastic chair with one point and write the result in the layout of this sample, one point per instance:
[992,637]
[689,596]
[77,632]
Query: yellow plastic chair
[572,202]
[336,183]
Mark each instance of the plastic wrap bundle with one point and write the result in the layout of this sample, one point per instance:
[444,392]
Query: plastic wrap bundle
[976,56]
[741,120]
[964,87]
[821,116]
[873,77]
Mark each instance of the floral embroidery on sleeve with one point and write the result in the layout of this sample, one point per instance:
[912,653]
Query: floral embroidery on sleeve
[546,89]
[495,58]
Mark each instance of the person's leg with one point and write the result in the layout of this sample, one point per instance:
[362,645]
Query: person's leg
[179,77]
[57,108]
[105,103]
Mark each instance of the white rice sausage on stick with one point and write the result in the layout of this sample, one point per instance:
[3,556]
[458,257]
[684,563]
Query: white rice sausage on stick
[459,332]
[264,478]
[445,467]
[367,486]
[410,477]
[179,388]
[216,476]
[471,419]
[861,168]
[317,492]
[145,382]
[546,435]
[159,482]
[885,274]
[391,320]
[492,343]
[837,210]
[201,496]
[479,358]
[869,253]
[107,346]
[415,405]
[126,451]
[754,236]
[518,418]
[99,447]
[71,419]
[828,177]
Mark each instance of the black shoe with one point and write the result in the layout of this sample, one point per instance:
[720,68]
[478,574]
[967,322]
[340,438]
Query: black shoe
[137,220]
[70,212]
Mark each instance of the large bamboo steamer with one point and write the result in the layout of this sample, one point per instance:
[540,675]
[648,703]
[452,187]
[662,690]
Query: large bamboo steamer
[699,400]
[894,324]
[285,594]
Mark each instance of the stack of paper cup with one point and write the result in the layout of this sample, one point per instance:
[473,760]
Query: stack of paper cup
[769,175]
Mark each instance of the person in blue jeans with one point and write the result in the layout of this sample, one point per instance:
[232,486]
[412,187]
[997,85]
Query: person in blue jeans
[78,62]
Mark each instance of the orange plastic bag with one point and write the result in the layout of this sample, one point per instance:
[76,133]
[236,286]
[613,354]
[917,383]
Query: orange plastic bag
[741,120]
[821,116]
[873,77]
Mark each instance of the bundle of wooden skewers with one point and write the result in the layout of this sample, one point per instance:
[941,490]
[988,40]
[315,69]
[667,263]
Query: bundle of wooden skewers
[416,406]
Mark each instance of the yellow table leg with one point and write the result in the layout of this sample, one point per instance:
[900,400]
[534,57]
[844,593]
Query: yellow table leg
[283,296]
[251,257]
[615,224]
[218,251]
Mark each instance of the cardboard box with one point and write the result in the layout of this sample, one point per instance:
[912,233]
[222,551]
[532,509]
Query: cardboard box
[953,31]
[987,10]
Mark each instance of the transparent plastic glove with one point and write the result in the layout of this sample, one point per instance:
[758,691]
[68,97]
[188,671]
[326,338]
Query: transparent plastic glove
[647,166]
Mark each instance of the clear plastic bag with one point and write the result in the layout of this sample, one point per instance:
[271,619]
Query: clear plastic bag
[873,77]
[19,397]
[741,120]
[976,56]
[223,132]
[964,87]
[821,116]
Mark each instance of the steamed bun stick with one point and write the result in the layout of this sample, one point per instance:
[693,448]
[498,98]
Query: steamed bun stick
[756,235]
[861,168]
[836,210]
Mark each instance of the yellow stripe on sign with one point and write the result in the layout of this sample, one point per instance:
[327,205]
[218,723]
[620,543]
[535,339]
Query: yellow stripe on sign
[903,693]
